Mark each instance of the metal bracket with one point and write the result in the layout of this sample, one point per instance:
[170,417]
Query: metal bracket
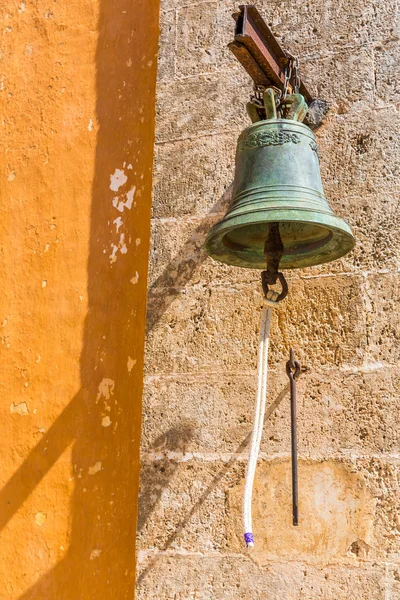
[265,61]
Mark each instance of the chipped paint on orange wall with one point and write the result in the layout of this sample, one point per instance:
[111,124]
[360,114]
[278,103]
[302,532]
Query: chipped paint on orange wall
[77,87]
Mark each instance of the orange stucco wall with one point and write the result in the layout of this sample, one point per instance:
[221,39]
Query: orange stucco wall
[77,81]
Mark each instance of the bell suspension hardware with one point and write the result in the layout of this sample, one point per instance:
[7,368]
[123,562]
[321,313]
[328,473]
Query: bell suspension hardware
[278,217]
[261,55]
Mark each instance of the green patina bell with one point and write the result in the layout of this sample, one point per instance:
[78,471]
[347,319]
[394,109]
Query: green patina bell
[278,194]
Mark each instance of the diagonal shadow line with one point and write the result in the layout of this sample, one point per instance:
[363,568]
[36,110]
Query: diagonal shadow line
[63,431]
[183,266]
[38,462]
[156,480]
[217,479]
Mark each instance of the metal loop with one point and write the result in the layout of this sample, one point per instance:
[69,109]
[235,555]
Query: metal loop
[292,69]
[278,94]
[257,97]
[265,281]
[293,367]
[296,75]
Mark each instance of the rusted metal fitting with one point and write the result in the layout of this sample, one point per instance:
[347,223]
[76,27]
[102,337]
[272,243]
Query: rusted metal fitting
[293,370]
[293,367]
[266,282]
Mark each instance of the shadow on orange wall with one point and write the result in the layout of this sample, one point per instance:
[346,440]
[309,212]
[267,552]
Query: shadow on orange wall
[100,560]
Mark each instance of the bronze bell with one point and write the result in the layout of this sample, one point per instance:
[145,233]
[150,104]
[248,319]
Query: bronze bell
[278,196]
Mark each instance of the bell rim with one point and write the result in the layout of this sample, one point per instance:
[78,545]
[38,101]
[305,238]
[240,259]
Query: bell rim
[217,250]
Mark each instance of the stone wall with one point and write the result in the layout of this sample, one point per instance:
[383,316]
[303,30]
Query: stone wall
[342,319]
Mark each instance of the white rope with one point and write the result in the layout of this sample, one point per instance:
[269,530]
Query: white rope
[261,399]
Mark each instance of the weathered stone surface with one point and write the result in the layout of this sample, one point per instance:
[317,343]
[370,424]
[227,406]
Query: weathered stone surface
[203,32]
[204,29]
[342,77]
[335,510]
[178,259]
[318,27]
[347,508]
[189,499]
[387,58]
[209,102]
[376,227]
[166,45]
[239,578]
[203,105]
[382,479]
[358,151]
[383,330]
[203,320]
[337,413]
[216,329]
[207,164]
[196,50]
[177,253]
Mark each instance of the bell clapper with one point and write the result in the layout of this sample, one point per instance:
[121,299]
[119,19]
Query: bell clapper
[273,252]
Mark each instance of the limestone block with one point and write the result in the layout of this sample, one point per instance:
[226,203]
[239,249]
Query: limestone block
[347,508]
[182,504]
[163,577]
[166,45]
[335,510]
[204,29]
[207,414]
[176,4]
[320,27]
[337,413]
[204,104]
[386,66]
[383,330]
[203,32]
[382,479]
[341,77]
[197,50]
[178,258]
[220,96]
[358,149]
[376,227]
[190,176]
[215,330]
[393,576]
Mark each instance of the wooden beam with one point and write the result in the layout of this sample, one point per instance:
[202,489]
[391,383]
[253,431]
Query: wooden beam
[259,52]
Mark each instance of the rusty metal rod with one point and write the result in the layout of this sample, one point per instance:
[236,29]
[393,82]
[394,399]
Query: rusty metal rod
[293,369]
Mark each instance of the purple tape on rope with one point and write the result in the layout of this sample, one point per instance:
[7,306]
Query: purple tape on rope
[249,538]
